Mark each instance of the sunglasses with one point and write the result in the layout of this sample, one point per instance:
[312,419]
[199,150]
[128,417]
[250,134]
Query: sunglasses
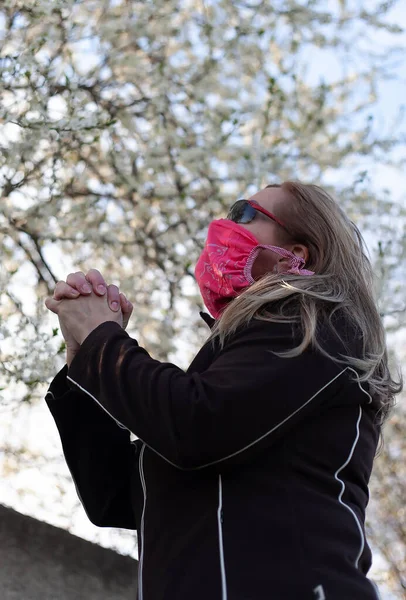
[244,211]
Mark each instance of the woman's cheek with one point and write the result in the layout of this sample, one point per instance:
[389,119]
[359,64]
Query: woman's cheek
[264,263]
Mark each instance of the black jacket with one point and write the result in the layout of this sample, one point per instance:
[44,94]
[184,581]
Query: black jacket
[249,480]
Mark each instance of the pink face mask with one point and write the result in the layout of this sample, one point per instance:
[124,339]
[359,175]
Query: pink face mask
[223,270]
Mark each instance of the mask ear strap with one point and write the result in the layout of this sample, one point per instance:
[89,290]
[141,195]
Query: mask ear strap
[296,262]
[248,265]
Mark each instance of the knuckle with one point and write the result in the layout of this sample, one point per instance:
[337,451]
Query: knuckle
[58,291]
[95,278]
[75,279]
[94,273]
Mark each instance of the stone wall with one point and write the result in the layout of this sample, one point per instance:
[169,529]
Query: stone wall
[42,562]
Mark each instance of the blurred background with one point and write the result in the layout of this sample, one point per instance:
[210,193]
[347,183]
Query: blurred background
[125,128]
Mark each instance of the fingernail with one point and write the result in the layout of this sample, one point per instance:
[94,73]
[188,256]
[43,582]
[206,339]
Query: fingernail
[101,289]
[114,305]
[86,288]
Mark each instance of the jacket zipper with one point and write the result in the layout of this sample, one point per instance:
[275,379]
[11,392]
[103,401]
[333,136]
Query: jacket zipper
[144,489]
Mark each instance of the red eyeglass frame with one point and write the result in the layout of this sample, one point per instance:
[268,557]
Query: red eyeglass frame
[259,208]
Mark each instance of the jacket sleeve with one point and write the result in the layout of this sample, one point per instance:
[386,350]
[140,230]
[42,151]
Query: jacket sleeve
[246,400]
[99,454]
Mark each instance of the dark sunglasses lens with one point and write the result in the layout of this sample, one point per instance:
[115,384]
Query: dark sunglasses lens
[241,212]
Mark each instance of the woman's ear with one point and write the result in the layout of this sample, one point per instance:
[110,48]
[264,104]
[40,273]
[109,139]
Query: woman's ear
[300,250]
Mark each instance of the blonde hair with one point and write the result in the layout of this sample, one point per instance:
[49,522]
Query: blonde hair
[343,281]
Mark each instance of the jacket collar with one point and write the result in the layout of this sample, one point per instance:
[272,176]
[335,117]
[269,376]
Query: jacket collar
[207,319]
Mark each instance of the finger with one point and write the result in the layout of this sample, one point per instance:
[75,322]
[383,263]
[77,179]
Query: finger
[96,279]
[63,290]
[78,281]
[127,309]
[113,297]
[126,306]
[52,304]
[123,302]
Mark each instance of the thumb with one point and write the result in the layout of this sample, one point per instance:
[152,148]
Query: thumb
[52,304]
[126,308]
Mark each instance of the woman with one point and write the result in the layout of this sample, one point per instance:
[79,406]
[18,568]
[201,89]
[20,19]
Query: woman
[249,480]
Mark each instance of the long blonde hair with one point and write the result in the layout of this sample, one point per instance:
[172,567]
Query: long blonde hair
[343,281]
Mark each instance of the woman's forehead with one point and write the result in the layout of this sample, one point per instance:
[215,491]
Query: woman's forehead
[271,198]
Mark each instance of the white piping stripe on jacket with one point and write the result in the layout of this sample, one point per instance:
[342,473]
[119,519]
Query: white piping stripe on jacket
[343,488]
[101,405]
[219,460]
[144,489]
[221,548]
[360,386]
[343,467]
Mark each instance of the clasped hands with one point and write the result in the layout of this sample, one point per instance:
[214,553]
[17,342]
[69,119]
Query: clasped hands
[84,302]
